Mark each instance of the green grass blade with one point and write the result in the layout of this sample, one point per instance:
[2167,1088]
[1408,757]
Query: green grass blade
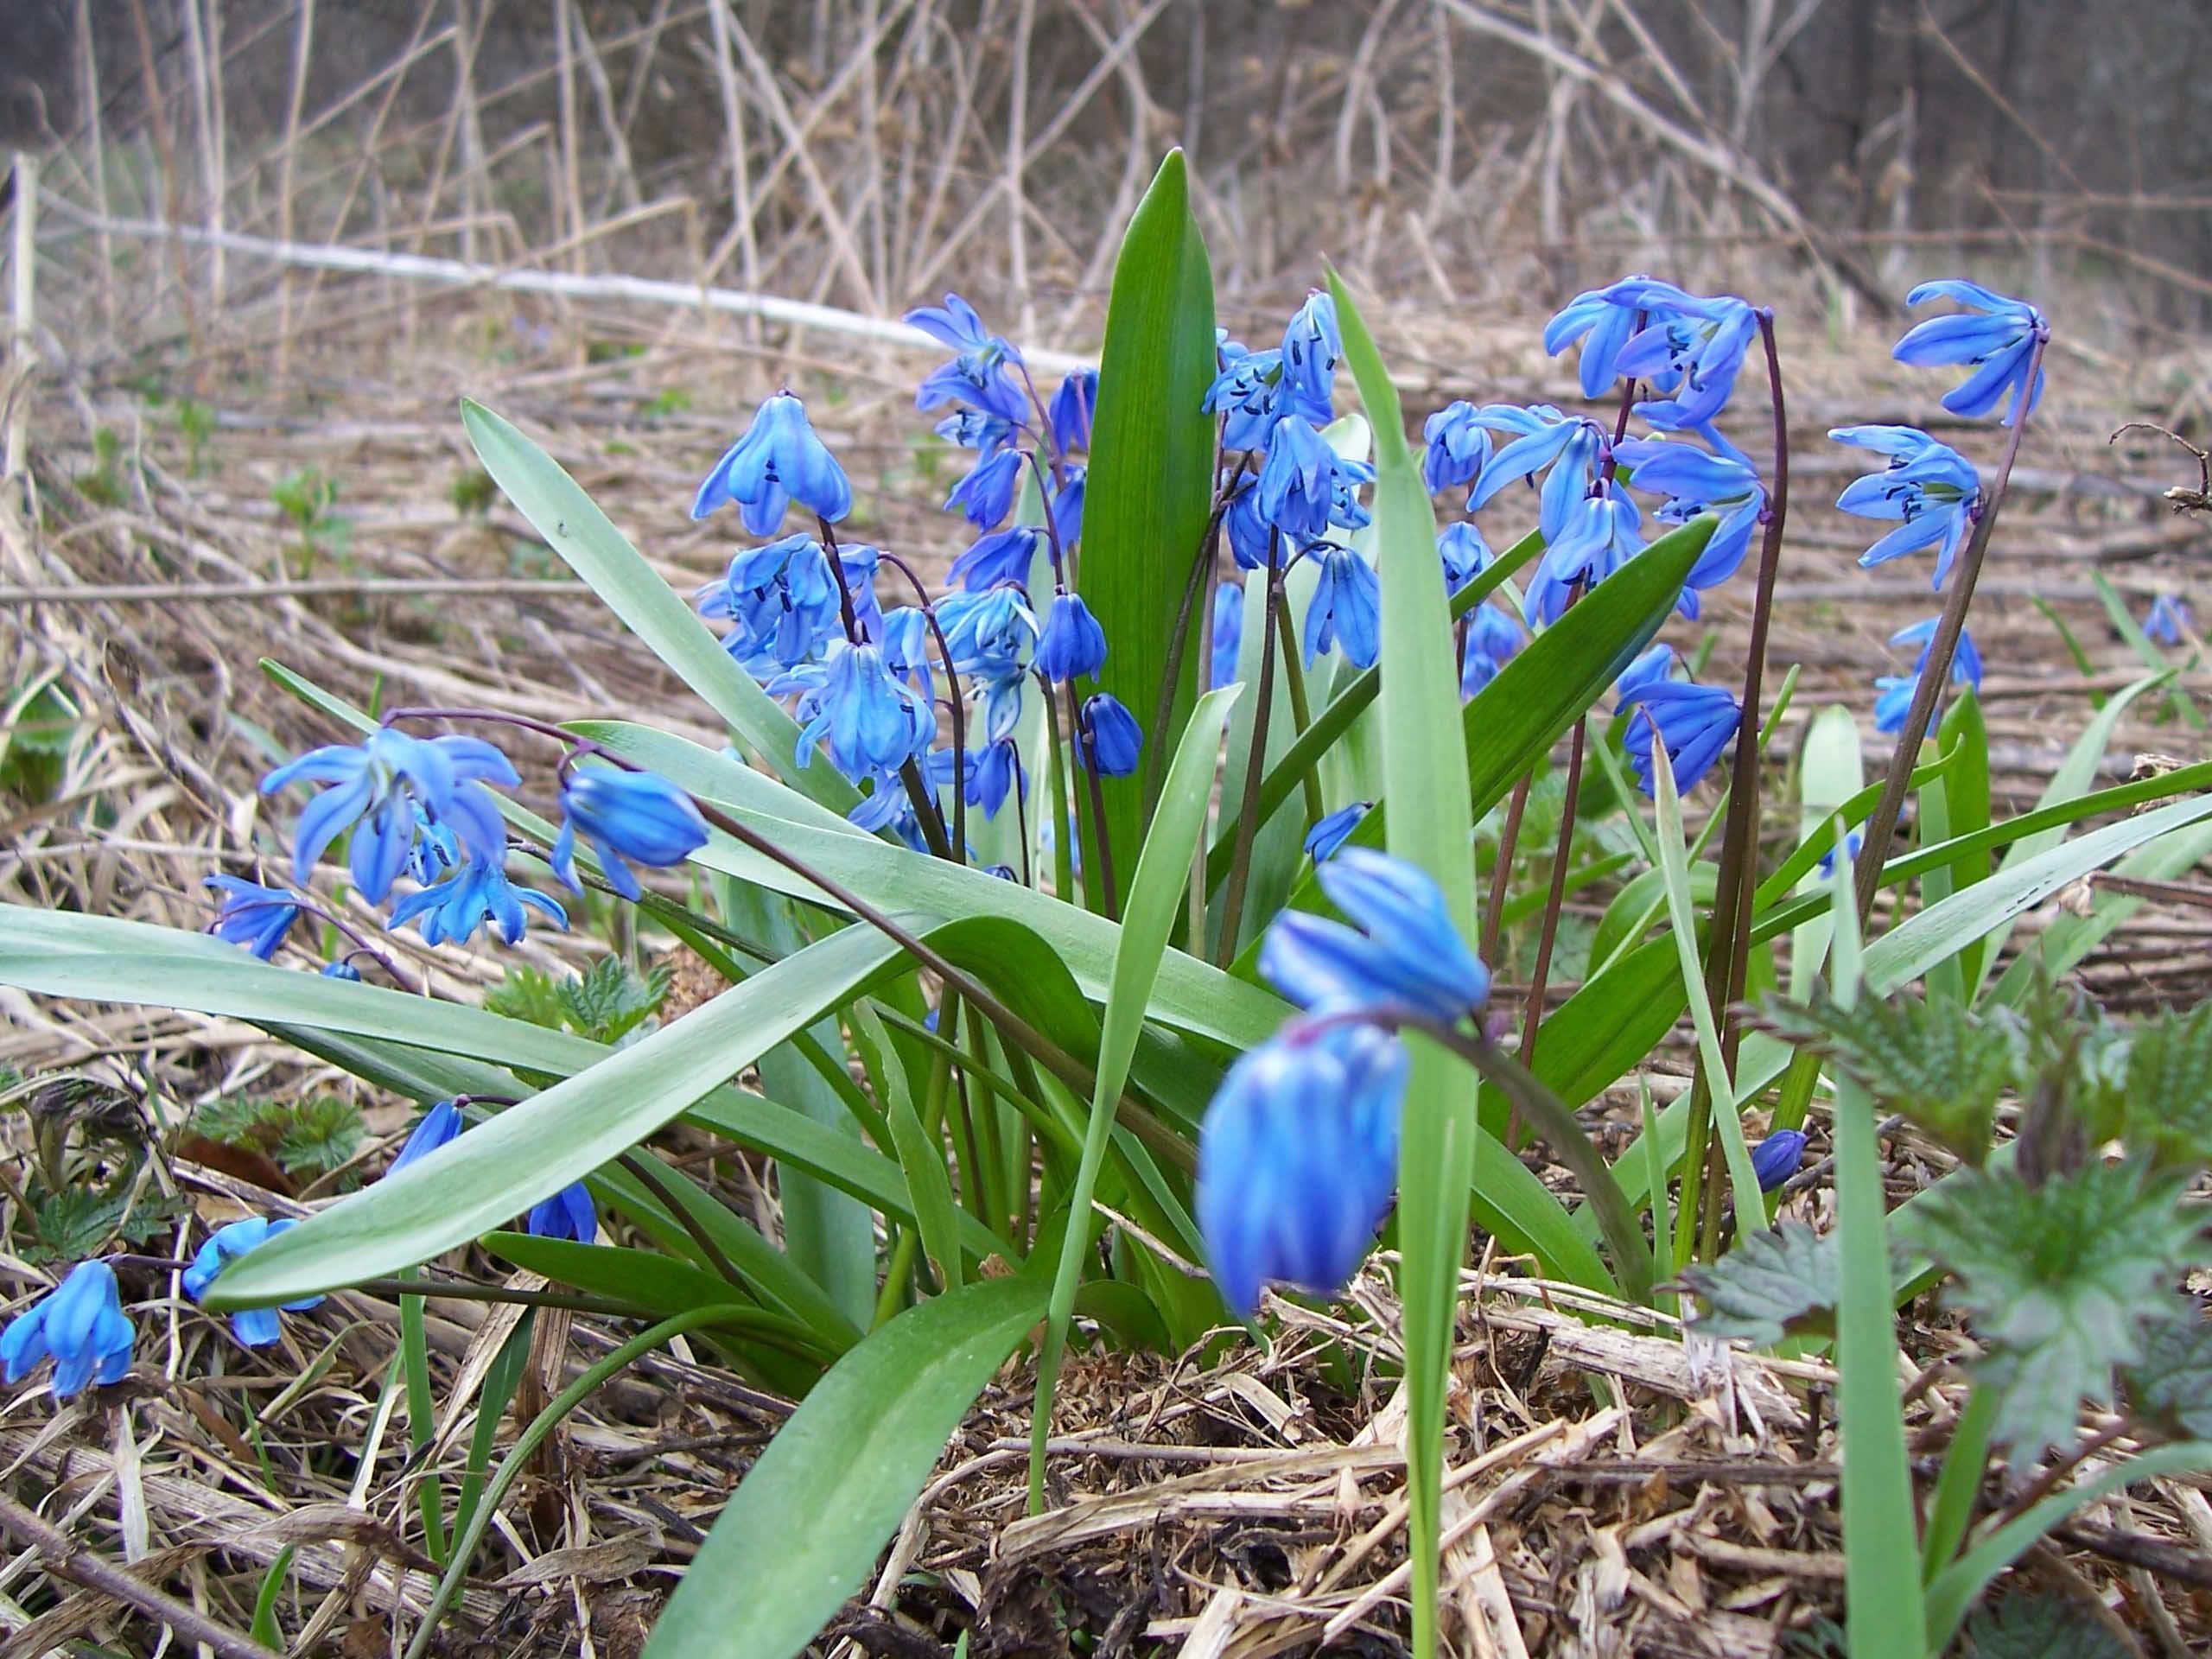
[920,1154]
[2124,623]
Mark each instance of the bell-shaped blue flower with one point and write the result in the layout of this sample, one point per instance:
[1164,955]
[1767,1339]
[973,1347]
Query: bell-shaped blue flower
[1493,637]
[1298,484]
[2169,621]
[1248,394]
[903,640]
[980,375]
[1463,552]
[986,495]
[1995,336]
[1454,446]
[1298,1160]
[974,428]
[1002,556]
[251,915]
[778,460]
[1651,667]
[441,1124]
[1694,483]
[1074,406]
[1852,843]
[1603,320]
[254,1327]
[80,1326]
[1401,960]
[1694,345]
[1930,486]
[1252,542]
[994,771]
[388,784]
[568,1213]
[1324,838]
[624,815]
[1601,535]
[1565,449]
[1067,504]
[1696,722]
[342,969]
[1073,643]
[990,633]
[1896,692]
[1310,347]
[1775,1160]
[781,600]
[1346,609]
[870,722]
[1112,740]
[1227,635]
[478,892]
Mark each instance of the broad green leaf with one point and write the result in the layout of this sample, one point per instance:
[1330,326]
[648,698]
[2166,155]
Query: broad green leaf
[920,1155]
[804,1530]
[1927,1057]
[645,1279]
[2048,1626]
[1151,482]
[1768,1284]
[1831,770]
[575,528]
[2170,1386]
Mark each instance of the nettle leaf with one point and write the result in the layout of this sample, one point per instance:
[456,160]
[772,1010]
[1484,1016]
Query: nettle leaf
[1770,1285]
[2042,1627]
[83,1220]
[2059,1281]
[529,995]
[2168,1106]
[317,1135]
[1934,1061]
[2170,1386]
[608,1002]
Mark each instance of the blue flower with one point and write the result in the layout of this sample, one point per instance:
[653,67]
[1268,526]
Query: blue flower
[1895,701]
[568,1213]
[1996,336]
[1492,639]
[1074,408]
[993,637]
[1604,319]
[1454,446]
[1228,634]
[436,850]
[1072,642]
[624,815]
[1298,1159]
[781,600]
[778,462]
[1252,542]
[1248,394]
[1852,843]
[255,1327]
[80,1326]
[342,969]
[1568,446]
[993,771]
[1598,537]
[1695,721]
[1463,552]
[871,722]
[250,915]
[1931,487]
[1298,485]
[1310,347]
[441,1124]
[1403,960]
[1324,838]
[1696,345]
[1775,1160]
[1112,740]
[1650,667]
[1695,483]
[903,640]
[972,429]
[452,911]
[2169,619]
[385,780]
[1000,557]
[979,375]
[1067,504]
[1346,609]
[986,495]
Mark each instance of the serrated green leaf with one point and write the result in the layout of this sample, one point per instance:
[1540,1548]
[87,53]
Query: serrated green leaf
[1932,1060]
[1769,1285]
[2169,1091]
[2170,1386]
[607,1001]
[316,1136]
[2058,1280]
[2042,1627]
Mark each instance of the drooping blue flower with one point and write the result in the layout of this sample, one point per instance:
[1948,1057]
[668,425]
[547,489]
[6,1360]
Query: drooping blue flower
[1002,556]
[1649,667]
[342,968]
[478,892]
[778,460]
[986,495]
[1775,1160]
[1073,643]
[904,640]
[1228,634]
[436,850]
[1074,407]
[1346,510]
[980,375]
[974,428]
[1346,609]
[1463,552]
[869,720]
[1249,395]
[1067,504]
[1298,484]
[379,784]
[250,915]
[1605,320]
[2169,619]
[1699,341]
[1324,838]
[441,1124]
[1996,336]
[1454,446]
[1403,959]
[568,1213]
[1930,486]
[1894,701]
[1298,1160]
[1252,542]
[80,1326]
[636,816]
[993,636]
[1852,843]
[1598,537]
[1112,740]
[994,769]
[1565,449]
[1493,637]
[1695,483]
[1310,347]
[1696,722]
[254,1327]
[780,600]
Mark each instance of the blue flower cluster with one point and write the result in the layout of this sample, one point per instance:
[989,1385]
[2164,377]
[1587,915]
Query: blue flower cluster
[1298,1157]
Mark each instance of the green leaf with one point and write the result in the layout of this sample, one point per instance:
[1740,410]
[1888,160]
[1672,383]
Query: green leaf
[2058,1281]
[2043,1627]
[573,527]
[1769,1285]
[805,1527]
[2169,1106]
[645,1279]
[529,995]
[1964,740]
[2170,1386]
[1151,482]
[1932,1060]
[607,1001]
[316,1134]
[921,1157]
